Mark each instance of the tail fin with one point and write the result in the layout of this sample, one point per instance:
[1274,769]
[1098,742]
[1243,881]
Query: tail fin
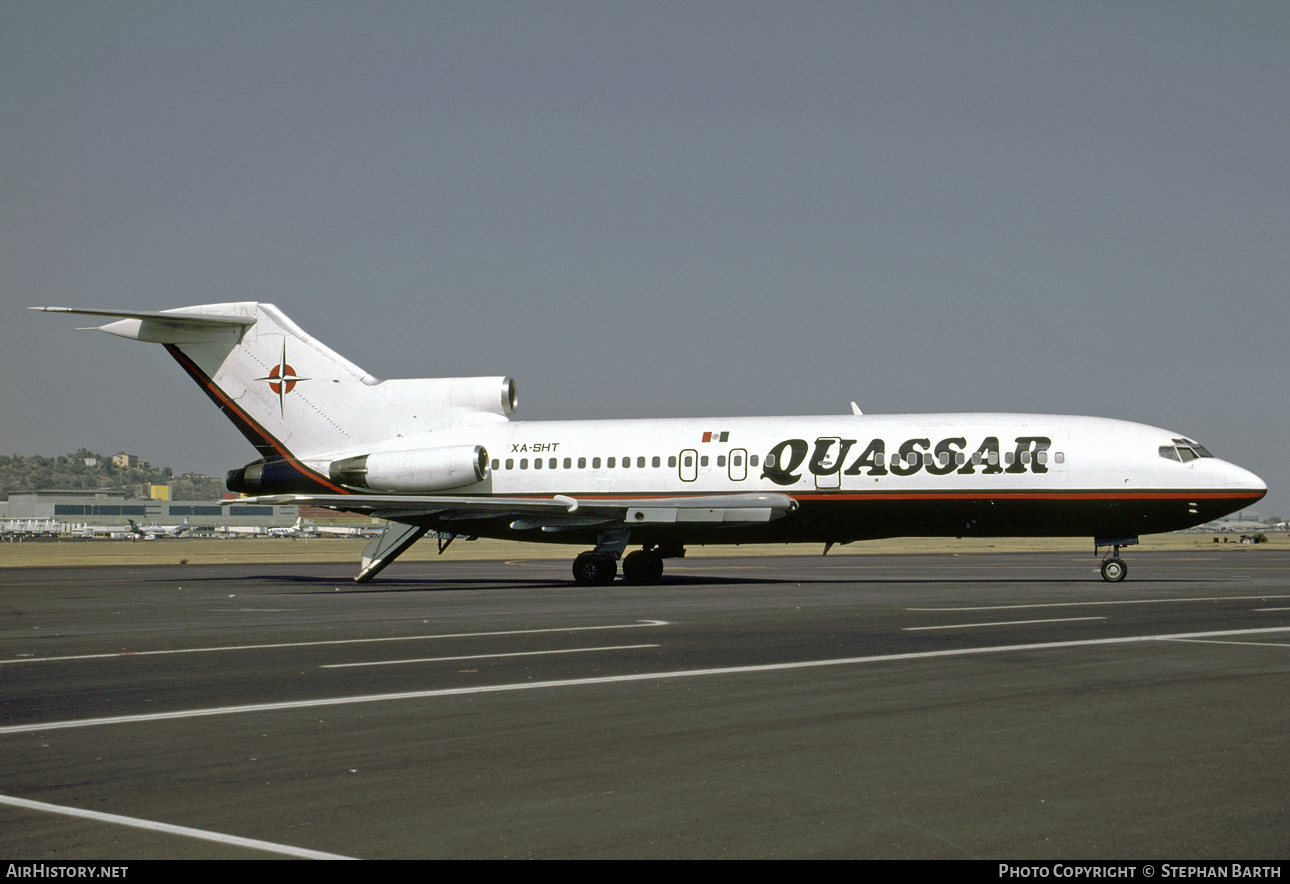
[292,396]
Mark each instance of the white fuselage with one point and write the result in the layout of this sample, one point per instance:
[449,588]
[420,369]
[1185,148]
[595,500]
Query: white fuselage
[854,475]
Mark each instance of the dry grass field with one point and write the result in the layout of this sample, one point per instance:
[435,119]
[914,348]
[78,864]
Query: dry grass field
[80,553]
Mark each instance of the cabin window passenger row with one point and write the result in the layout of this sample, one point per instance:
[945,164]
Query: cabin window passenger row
[1181,454]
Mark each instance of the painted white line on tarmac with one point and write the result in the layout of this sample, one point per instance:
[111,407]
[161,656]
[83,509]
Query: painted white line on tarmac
[999,623]
[639,624]
[1220,641]
[612,679]
[487,656]
[167,828]
[1226,598]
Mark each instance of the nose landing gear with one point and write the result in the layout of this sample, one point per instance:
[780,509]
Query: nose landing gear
[1113,568]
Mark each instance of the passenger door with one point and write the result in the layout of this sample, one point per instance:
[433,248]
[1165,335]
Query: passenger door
[689,465]
[738,465]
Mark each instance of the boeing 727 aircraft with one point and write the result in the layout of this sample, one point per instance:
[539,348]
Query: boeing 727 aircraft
[441,454]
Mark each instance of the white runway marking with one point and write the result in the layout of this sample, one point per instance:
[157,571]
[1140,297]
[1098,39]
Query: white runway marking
[168,829]
[639,624]
[614,679]
[1223,641]
[999,623]
[487,656]
[1228,598]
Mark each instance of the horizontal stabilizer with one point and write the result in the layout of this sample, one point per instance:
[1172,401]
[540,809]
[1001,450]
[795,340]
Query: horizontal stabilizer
[176,317]
[161,327]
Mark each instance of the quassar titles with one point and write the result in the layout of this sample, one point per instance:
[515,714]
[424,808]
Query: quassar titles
[829,456]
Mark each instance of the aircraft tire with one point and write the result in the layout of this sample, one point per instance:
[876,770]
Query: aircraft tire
[642,568]
[1114,570]
[593,570]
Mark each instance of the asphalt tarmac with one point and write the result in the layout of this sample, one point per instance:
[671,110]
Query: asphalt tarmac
[1008,706]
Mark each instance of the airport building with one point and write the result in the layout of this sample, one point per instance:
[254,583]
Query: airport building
[113,508]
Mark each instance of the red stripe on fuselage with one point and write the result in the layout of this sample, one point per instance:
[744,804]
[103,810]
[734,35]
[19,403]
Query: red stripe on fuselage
[1034,495]
[909,495]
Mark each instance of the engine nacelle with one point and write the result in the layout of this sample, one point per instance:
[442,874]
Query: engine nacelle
[415,470]
[277,476]
[489,395]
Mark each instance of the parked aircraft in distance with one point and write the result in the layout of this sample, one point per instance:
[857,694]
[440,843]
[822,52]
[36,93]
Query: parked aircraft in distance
[152,532]
[440,454]
[296,530]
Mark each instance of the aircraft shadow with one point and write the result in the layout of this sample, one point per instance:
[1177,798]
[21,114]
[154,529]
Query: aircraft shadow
[671,581]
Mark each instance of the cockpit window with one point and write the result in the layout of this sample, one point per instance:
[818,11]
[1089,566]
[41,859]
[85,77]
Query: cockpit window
[1183,450]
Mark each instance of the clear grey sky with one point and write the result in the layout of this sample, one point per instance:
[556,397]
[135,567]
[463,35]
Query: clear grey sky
[654,208]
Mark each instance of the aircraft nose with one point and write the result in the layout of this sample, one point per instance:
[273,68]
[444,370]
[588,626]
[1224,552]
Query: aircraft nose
[1239,477]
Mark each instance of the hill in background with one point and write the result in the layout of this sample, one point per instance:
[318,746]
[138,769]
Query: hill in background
[84,470]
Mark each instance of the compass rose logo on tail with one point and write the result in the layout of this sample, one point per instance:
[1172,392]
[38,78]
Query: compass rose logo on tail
[282,379]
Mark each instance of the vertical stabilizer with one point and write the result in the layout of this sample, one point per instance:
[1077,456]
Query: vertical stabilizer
[295,398]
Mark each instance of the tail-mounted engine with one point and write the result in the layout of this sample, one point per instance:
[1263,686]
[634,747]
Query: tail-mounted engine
[276,476]
[417,470]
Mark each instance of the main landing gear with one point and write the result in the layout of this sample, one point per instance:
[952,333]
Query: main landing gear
[592,569]
[643,567]
[1113,568]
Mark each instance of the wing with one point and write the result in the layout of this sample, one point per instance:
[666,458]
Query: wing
[551,513]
